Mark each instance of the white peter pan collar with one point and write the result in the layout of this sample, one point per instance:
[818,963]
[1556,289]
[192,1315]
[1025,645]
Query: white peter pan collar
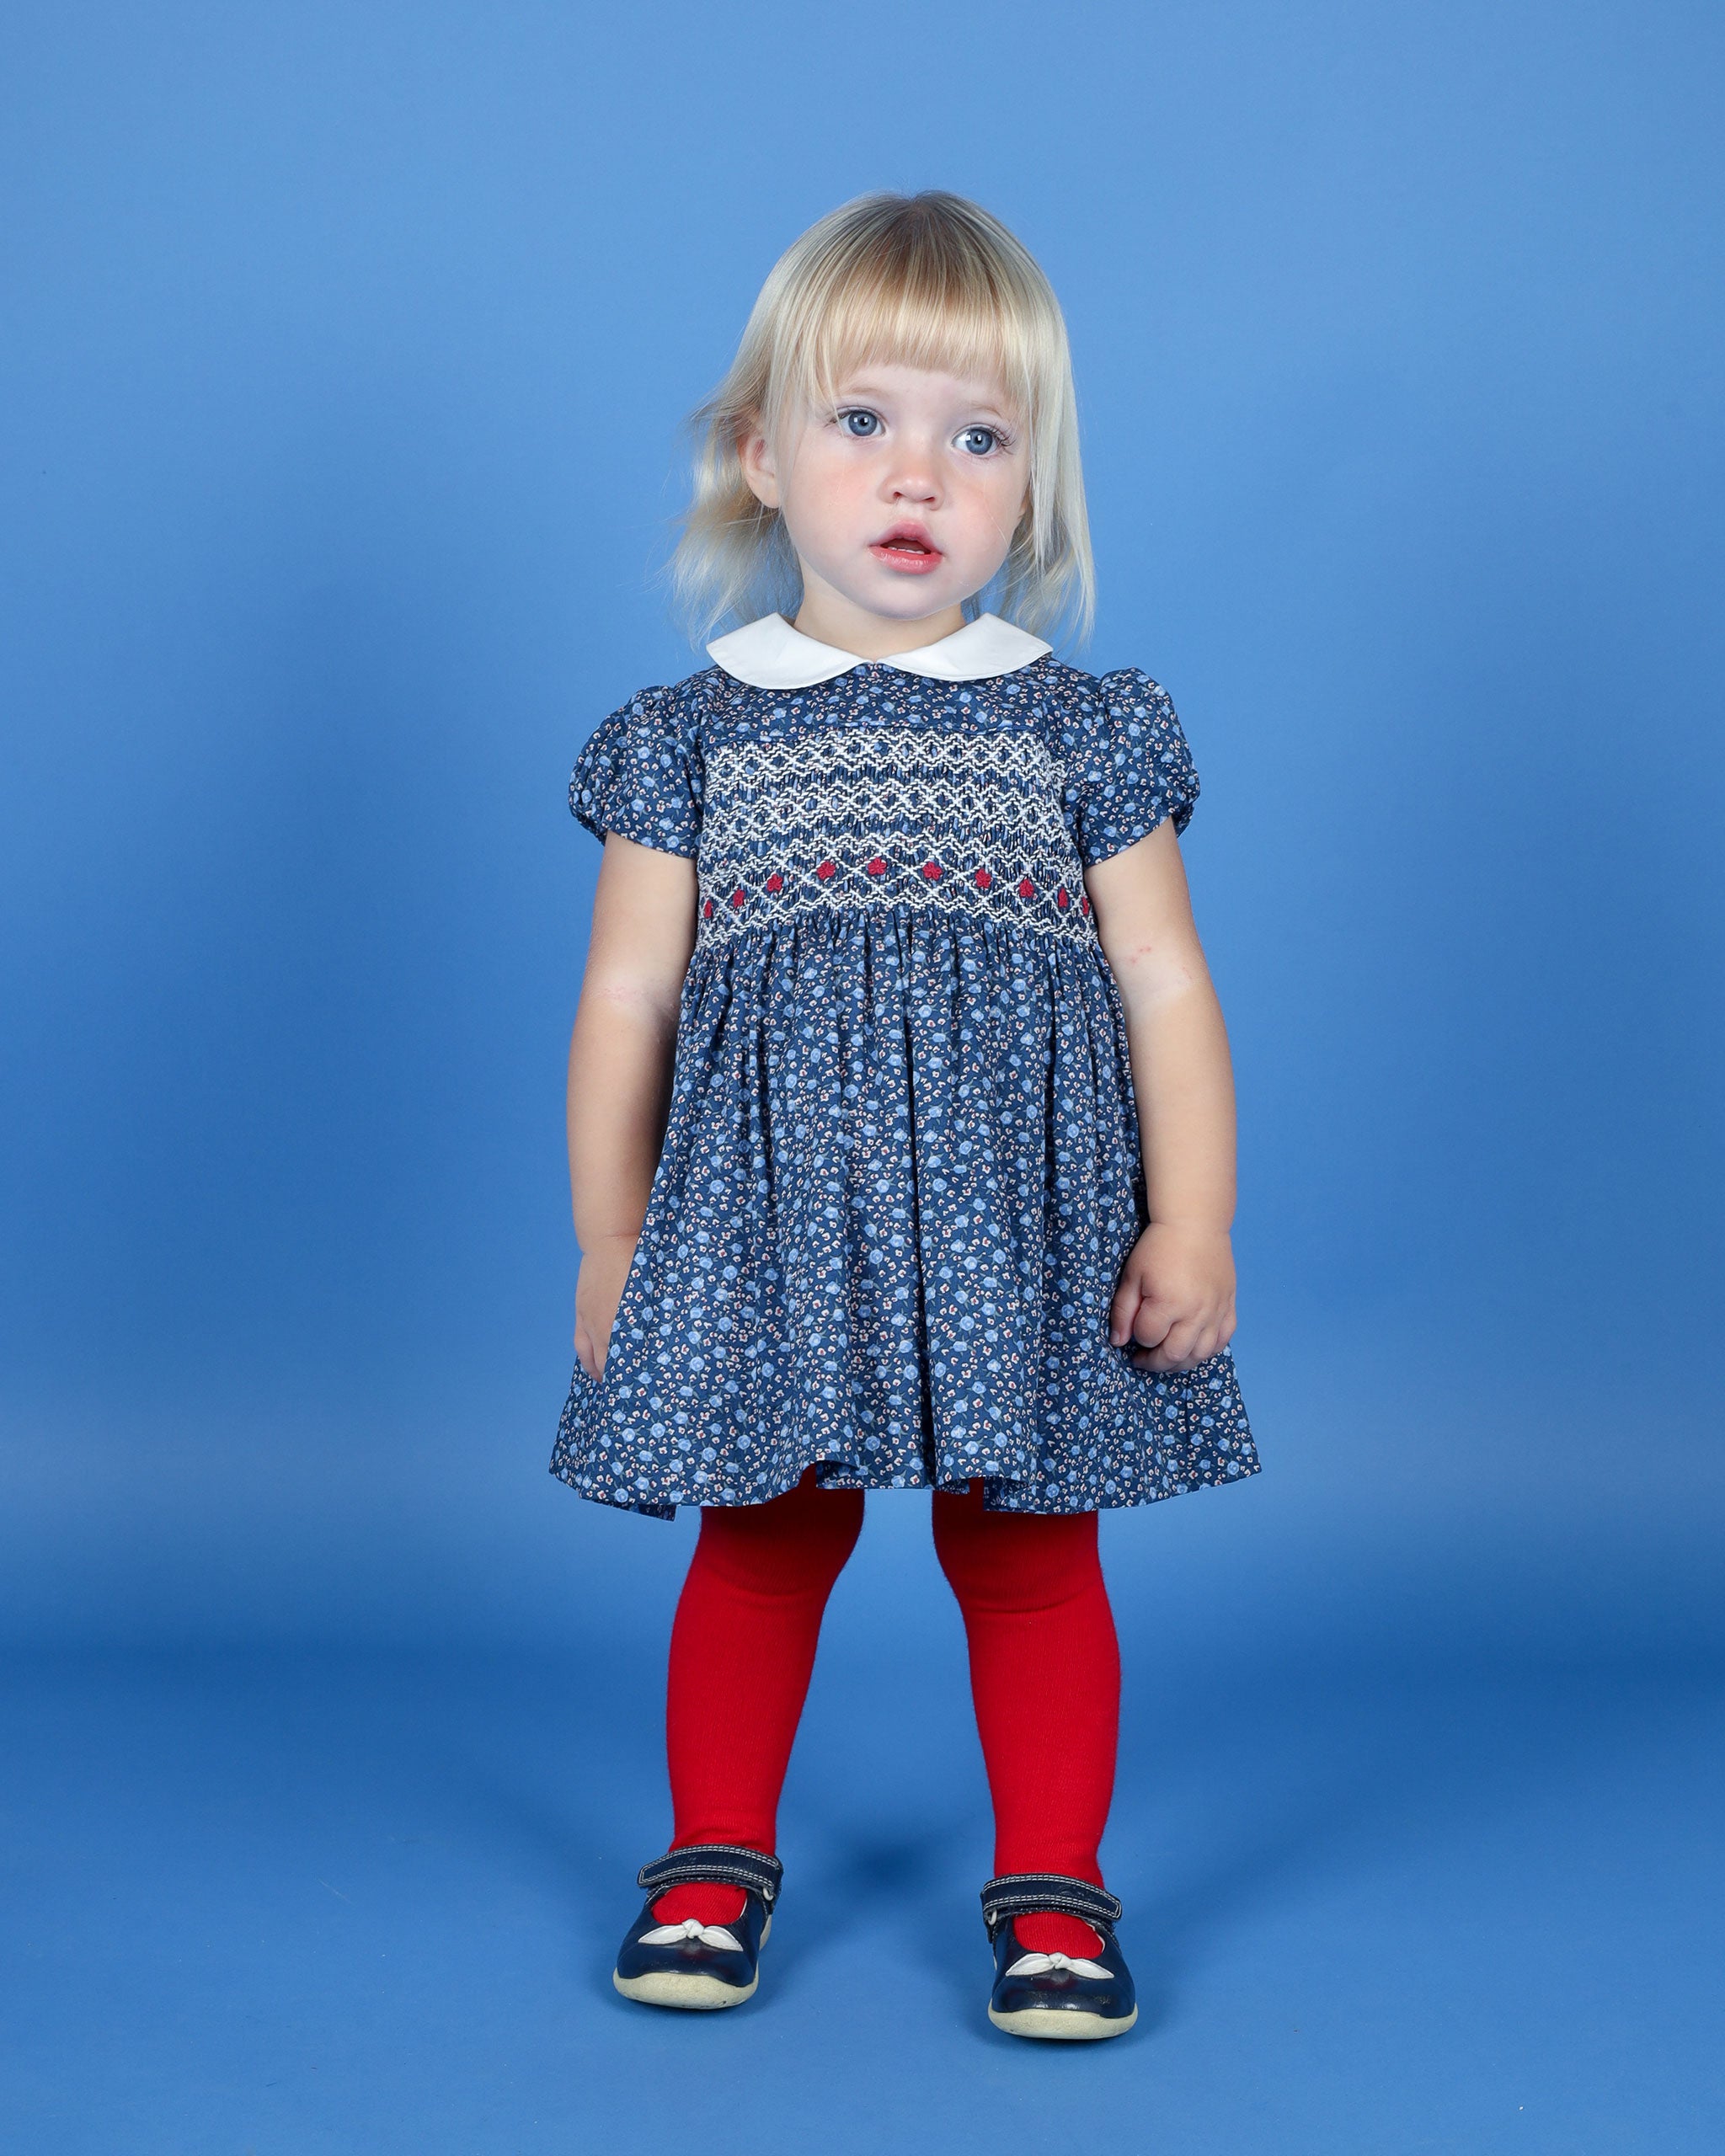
[771,655]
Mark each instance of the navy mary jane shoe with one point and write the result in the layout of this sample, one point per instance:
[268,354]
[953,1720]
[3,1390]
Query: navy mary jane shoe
[693,1965]
[1063,1997]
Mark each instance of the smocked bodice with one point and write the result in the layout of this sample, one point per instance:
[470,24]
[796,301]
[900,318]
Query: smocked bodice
[851,813]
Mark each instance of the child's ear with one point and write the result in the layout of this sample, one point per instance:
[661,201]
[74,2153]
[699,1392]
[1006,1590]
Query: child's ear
[755,454]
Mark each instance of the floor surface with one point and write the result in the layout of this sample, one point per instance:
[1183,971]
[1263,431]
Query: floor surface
[1408,1885]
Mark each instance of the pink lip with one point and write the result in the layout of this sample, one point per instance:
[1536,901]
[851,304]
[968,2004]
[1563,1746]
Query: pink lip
[915,556]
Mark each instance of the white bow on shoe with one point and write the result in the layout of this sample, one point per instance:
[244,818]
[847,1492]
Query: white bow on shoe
[709,1934]
[1040,1964]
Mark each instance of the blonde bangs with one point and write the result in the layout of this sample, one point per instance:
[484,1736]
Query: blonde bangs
[928,280]
[904,307]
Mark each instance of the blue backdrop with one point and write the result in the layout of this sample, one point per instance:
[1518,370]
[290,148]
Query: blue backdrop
[343,353]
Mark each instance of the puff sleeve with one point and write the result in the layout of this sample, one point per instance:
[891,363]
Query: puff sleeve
[1134,769]
[640,774]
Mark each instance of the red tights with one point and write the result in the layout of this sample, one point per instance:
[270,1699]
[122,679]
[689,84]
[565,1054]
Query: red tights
[1044,1673]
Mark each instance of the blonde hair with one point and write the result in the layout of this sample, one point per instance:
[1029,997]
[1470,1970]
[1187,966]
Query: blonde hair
[926,281]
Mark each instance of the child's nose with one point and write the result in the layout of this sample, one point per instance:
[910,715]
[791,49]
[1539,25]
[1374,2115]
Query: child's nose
[913,478]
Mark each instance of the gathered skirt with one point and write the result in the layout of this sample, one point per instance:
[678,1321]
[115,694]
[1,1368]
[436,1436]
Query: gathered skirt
[900,1173]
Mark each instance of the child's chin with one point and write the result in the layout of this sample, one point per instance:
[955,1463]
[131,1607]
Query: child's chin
[905,597]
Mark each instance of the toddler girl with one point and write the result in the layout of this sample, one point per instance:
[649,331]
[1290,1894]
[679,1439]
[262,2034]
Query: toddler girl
[900,1119]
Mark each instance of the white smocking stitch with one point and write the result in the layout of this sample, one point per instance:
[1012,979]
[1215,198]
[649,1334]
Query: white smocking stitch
[889,816]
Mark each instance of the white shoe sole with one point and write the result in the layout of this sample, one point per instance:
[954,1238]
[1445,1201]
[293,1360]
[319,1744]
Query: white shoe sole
[694,1992]
[1061,2024]
[668,1987]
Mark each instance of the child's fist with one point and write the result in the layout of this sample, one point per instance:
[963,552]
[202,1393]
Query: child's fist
[1175,1301]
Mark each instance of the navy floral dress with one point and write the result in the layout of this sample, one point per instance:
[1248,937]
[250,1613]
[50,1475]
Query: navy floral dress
[901,1170]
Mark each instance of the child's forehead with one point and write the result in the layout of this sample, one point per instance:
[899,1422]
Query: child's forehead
[921,383]
[927,370]
[964,333]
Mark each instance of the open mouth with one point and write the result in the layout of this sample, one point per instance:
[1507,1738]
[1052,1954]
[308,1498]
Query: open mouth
[907,547]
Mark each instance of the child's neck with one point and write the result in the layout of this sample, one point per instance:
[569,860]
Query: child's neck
[831,619]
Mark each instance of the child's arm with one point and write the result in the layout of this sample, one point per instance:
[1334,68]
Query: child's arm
[1176,1291]
[621,1056]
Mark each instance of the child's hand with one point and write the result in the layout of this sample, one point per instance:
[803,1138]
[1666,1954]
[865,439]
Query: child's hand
[599,1288]
[1176,1297]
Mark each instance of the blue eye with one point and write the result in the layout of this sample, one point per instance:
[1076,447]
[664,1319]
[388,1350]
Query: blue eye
[860,425]
[980,441]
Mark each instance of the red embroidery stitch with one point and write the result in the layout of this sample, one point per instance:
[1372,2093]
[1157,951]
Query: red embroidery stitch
[737,897]
[1027,889]
[877,866]
[1084,906]
[707,910]
[982,879]
[1063,898]
[931,870]
[827,870]
[775,882]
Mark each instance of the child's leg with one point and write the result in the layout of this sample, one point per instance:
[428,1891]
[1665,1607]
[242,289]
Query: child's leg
[1046,1675]
[741,1651]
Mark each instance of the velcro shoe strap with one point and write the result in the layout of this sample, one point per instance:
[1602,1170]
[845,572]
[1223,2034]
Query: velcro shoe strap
[1019,1893]
[715,1864]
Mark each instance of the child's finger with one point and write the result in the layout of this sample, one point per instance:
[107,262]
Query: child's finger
[1177,1349]
[1123,1312]
[1158,1360]
[1150,1327]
